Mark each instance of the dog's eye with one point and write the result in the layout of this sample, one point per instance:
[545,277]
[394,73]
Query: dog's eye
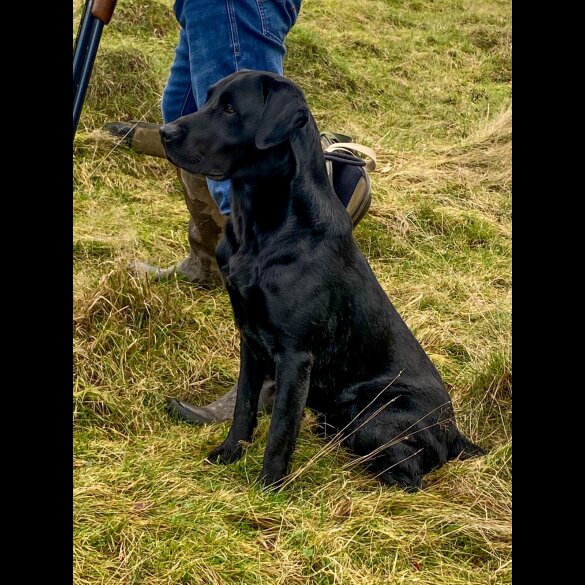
[227,108]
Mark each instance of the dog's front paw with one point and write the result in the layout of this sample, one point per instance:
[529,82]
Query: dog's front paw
[226,453]
[271,479]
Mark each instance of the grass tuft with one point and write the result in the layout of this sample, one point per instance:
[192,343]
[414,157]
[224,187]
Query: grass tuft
[122,81]
[148,18]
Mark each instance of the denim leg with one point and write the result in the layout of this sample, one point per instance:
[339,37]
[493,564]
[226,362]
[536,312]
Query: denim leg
[177,98]
[218,38]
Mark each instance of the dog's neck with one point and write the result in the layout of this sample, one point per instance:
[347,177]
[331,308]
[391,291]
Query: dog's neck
[298,190]
[259,205]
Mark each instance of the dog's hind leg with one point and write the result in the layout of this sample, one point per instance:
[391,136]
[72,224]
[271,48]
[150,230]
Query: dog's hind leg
[293,370]
[252,374]
[389,442]
[399,465]
[463,448]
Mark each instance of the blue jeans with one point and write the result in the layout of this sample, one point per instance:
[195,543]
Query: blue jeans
[219,37]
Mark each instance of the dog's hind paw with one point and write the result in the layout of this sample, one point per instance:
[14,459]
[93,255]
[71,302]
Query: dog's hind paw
[400,480]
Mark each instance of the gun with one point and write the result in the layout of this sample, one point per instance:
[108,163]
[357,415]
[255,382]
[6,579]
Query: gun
[96,14]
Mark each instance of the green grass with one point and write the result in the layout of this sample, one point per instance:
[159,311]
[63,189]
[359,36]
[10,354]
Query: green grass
[428,86]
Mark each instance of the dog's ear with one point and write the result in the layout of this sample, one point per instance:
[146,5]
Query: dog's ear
[285,110]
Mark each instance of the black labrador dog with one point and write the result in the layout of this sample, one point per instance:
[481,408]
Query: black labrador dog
[309,309]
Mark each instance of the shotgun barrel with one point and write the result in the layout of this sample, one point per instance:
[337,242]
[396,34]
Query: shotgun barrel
[96,14]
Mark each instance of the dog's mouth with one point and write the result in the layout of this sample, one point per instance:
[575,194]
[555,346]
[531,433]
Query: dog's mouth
[194,166]
[215,177]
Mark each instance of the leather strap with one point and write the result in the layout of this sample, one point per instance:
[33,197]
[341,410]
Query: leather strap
[370,164]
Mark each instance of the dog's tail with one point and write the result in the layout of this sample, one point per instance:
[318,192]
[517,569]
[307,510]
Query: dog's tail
[463,448]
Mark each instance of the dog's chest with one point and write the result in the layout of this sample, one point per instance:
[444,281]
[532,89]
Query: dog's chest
[242,276]
[249,303]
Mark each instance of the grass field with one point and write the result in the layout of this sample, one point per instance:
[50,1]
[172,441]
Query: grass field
[427,84]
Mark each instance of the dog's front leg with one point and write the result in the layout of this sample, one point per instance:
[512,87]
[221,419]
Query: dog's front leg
[293,371]
[252,373]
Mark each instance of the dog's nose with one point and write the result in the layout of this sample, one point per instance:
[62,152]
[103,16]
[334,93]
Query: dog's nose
[171,133]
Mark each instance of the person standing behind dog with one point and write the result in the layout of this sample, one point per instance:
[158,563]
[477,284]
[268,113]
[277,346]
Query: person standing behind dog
[216,39]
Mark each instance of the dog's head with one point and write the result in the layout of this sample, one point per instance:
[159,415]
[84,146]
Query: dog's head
[243,128]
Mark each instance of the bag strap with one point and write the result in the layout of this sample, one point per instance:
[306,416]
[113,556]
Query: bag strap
[344,157]
[331,137]
[353,146]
